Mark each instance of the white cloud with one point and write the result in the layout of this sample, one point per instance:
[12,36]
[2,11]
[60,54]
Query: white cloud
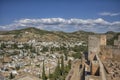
[109,14]
[73,24]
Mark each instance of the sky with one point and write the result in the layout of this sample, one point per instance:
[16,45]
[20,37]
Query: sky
[61,15]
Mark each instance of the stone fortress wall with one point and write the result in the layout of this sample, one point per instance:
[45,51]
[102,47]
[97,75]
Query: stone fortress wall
[93,68]
[111,51]
[97,44]
[95,41]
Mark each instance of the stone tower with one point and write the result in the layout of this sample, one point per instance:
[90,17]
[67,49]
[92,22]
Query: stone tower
[93,46]
[102,40]
[94,43]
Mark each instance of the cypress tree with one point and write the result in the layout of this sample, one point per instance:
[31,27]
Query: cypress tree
[49,73]
[11,76]
[58,67]
[43,72]
[57,71]
[69,64]
[66,55]
[62,65]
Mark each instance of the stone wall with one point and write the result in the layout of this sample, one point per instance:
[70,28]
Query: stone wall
[109,51]
[117,42]
[77,71]
[95,68]
[106,52]
[93,46]
[119,38]
[94,43]
[102,40]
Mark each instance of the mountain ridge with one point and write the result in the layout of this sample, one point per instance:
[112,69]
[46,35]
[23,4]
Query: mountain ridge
[44,35]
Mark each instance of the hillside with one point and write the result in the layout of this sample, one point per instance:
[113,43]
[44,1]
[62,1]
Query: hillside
[43,35]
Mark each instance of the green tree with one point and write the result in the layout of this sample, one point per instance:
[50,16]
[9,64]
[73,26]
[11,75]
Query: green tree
[69,64]
[3,46]
[77,55]
[49,73]
[76,48]
[45,49]
[66,55]
[17,67]
[43,73]
[15,46]
[57,71]
[11,76]
[60,71]
[62,65]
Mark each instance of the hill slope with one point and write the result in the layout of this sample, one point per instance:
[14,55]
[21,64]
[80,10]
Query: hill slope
[42,35]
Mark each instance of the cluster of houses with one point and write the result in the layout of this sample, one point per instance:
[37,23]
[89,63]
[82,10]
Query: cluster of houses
[21,58]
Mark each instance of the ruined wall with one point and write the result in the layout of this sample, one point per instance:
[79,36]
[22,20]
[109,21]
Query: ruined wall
[116,53]
[106,52]
[110,52]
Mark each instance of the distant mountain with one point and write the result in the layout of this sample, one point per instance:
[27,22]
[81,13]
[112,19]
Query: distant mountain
[43,35]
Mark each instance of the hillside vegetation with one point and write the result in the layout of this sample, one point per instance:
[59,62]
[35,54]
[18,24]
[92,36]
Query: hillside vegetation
[43,35]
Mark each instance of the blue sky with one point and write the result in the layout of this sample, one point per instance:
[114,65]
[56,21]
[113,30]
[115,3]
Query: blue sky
[104,15]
